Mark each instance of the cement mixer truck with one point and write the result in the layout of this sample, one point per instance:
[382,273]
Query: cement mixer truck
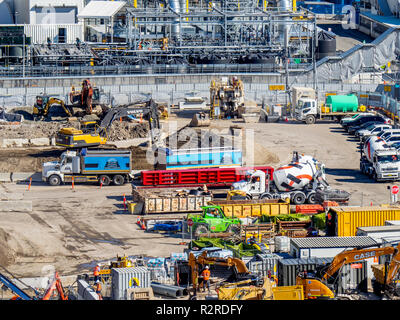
[300,181]
[306,108]
[380,161]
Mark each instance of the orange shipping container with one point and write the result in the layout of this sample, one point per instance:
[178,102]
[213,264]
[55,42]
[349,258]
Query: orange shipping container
[344,221]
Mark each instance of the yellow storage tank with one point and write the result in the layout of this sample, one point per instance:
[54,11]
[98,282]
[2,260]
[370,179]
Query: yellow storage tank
[325,109]
[288,293]
[252,208]
[344,221]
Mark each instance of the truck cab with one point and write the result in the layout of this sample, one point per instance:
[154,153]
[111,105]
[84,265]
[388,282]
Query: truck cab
[307,110]
[53,171]
[385,165]
[254,184]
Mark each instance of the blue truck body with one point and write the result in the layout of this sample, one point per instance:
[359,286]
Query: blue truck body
[106,162]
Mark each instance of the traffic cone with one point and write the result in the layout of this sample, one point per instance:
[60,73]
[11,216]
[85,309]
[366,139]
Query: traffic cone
[73,183]
[30,183]
[124,202]
[286,119]
[101,184]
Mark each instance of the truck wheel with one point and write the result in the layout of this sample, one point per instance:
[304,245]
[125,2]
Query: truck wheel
[105,179]
[233,228]
[118,180]
[311,198]
[375,177]
[298,198]
[54,180]
[310,119]
[266,196]
[200,230]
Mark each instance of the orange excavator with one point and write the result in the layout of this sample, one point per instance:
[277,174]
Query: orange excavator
[239,268]
[384,275]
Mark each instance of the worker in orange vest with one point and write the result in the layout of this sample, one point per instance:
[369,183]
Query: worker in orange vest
[96,272]
[205,275]
[98,289]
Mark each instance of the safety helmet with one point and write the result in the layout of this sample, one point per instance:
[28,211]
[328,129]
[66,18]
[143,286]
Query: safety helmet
[206,267]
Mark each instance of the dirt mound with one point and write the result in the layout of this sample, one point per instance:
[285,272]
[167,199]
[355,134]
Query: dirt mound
[127,130]
[39,129]
[6,256]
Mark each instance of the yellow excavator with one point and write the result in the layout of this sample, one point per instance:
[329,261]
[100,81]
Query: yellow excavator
[44,103]
[384,275]
[96,134]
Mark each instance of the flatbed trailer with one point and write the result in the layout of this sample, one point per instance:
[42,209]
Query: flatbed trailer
[211,177]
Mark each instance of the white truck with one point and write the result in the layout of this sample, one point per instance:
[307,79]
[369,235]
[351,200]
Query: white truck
[298,181]
[380,161]
[306,108]
[102,166]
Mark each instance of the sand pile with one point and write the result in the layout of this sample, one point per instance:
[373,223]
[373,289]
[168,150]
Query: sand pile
[6,256]
[127,130]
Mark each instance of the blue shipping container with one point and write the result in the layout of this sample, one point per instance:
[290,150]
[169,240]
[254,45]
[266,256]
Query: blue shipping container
[203,158]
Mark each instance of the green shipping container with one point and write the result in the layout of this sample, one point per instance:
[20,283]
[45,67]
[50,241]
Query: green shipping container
[342,103]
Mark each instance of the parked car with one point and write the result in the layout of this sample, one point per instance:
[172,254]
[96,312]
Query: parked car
[365,119]
[393,138]
[383,134]
[372,130]
[355,117]
[353,129]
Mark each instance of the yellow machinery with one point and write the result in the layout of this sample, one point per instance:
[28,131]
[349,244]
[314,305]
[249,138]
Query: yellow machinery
[245,290]
[121,262]
[314,288]
[94,135]
[226,97]
[44,103]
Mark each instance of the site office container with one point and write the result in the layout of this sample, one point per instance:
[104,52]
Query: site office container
[252,208]
[344,221]
[351,277]
[264,265]
[211,177]
[125,278]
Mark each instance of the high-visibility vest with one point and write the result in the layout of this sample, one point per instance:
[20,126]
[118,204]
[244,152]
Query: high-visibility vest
[98,288]
[96,271]
[206,274]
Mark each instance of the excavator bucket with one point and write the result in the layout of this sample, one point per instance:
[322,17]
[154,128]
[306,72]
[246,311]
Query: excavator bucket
[200,119]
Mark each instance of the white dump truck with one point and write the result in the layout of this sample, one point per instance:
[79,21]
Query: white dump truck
[298,181]
[380,161]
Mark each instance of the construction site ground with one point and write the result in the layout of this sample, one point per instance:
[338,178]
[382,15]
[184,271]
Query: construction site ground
[71,229]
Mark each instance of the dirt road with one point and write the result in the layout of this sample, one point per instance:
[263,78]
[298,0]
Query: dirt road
[72,229]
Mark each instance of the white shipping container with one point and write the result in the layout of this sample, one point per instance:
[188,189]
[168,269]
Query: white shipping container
[125,278]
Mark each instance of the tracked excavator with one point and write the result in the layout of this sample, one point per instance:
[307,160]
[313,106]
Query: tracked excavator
[43,104]
[97,134]
[316,287]
[240,271]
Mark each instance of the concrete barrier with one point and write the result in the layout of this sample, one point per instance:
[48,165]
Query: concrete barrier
[14,143]
[15,206]
[11,196]
[86,292]
[39,141]
[5,177]
[25,176]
